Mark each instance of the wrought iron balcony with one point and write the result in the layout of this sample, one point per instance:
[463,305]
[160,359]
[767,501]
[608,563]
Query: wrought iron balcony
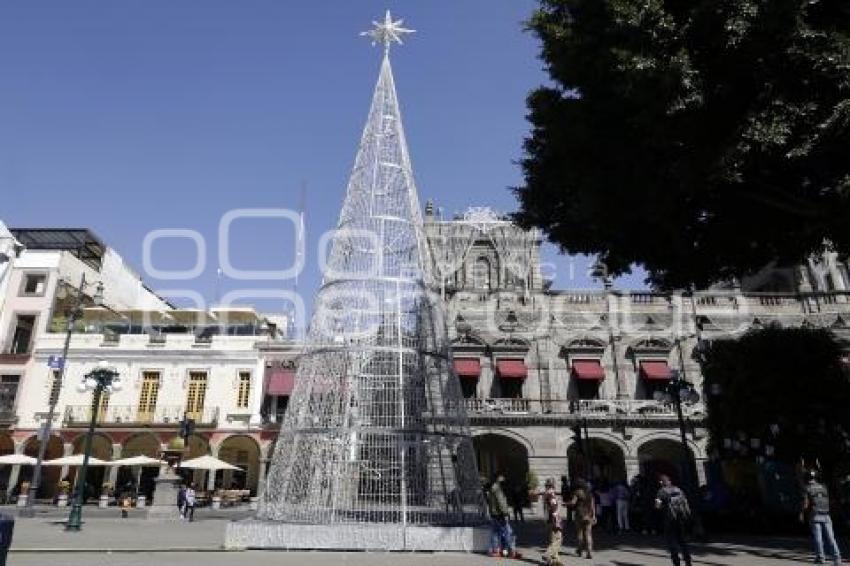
[130,415]
[522,410]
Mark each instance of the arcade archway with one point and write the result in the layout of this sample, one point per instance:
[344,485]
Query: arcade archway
[665,456]
[244,453]
[598,460]
[501,454]
[49,474]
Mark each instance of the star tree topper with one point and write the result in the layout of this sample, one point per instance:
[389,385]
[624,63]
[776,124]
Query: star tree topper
[387,32]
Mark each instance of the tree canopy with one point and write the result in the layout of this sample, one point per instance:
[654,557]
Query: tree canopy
[787,388]
[702,140]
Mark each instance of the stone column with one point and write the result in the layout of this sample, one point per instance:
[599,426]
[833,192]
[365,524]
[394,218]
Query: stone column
[113,470]
[67,450]
[617,363]
[211,473]
[632,468]
[261,474]
[15,472]
[700,464]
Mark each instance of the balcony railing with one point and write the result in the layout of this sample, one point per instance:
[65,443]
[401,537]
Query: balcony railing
[130,415]
[584,408]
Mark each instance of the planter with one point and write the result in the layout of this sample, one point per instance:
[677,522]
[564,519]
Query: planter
[216,502]
[62,500]
[141,501]
[103,502]
[22,500]
[254,503]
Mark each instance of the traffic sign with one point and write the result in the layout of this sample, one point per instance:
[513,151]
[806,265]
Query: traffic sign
[55,362]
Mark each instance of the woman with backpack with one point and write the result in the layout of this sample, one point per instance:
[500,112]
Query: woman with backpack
[675,513]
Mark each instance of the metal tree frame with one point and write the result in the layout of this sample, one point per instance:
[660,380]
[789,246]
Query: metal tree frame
[376,431]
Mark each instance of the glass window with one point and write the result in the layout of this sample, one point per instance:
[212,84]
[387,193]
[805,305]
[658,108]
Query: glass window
[196,394]
[244,392]
[8,392]
[22,337]
[34,284]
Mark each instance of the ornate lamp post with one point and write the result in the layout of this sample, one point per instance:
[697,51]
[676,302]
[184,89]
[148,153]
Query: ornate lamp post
[73,315]
[678,391]
[103,378]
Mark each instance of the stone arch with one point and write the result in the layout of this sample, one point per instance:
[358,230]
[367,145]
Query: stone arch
[513,435]
[601,458]
[661,454]
[138,479]
[496,452]
[101,448]
[243,451]
[141,444]
[49,474]
[697,449]
[586,343]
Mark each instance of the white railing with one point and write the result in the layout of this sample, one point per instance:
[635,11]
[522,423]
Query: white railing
[582,408]
[80,415]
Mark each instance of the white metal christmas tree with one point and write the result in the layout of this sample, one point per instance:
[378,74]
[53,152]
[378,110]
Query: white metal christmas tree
[375,445]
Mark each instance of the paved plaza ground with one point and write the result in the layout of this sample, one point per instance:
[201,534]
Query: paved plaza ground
[110,541]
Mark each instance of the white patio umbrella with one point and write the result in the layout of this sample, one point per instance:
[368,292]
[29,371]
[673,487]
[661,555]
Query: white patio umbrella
[139,462]
[76,460]
[17,459]
[145,461]
[207,463]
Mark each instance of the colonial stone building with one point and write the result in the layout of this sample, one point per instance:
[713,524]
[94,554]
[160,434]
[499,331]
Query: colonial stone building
[537,365]
[543,368]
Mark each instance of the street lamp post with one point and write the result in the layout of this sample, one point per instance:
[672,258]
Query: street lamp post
[75,313]
[679,391]
[103,378]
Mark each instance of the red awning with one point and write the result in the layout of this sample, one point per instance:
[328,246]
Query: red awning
[655,370]
[588,369]
[468,368]
[280,381]
[512,369]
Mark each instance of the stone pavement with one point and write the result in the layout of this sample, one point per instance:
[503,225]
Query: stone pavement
[110,541]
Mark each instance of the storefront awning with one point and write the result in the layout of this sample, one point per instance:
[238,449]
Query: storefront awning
[590,370]
[655,370]
[511,369]
[467,368]
[280,381]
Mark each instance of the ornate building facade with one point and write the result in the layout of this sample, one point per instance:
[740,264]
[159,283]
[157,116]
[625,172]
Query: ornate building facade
[537,366]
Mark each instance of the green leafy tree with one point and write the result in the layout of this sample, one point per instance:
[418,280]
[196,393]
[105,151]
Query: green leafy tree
[787,388]
[700,139]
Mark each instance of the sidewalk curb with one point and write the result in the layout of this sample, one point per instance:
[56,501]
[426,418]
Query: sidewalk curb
[56,550]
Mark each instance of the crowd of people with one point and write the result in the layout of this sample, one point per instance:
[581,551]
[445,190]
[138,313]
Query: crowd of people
[644,505]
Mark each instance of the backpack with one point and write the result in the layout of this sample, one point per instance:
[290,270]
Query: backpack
[818,499]
[678,508]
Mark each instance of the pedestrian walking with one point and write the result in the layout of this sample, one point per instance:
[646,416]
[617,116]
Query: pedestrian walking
[622,495]
[675,514]
[816,510]
[585,517]
[181,501]
[606,506]
[501,535]
[552,510]
[190,502]
[519,499]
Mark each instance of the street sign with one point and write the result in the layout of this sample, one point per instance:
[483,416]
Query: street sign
[55,362]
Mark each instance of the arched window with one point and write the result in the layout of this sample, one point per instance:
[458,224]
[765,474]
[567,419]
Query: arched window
[481,273]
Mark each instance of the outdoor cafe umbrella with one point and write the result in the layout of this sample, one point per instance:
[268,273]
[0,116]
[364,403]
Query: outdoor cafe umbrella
[16,459]
[208,463]
[140,462]
[76,460]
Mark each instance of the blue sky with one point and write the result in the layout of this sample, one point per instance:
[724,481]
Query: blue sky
[129,116]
